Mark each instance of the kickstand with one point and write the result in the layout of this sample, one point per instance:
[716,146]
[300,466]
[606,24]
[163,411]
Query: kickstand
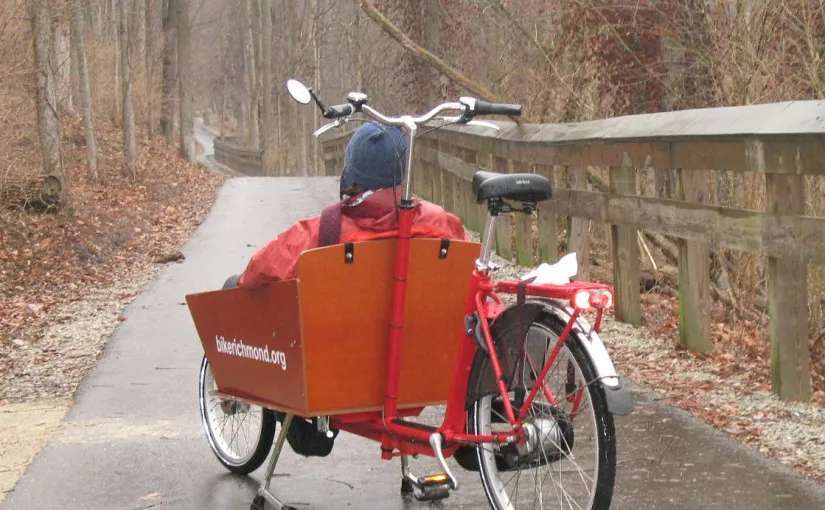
[264,496]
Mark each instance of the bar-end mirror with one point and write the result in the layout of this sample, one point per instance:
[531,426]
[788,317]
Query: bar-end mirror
[298,91]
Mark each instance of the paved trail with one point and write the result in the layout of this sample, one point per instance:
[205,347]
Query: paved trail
[133,439]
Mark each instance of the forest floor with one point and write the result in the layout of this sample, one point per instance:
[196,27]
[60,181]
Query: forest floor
[65,276]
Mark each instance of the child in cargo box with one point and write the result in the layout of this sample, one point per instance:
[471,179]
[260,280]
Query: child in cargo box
[370,192]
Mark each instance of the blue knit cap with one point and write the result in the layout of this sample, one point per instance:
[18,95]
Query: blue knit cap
[375,157]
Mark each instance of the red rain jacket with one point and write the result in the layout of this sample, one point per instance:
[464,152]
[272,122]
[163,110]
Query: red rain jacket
[372,218]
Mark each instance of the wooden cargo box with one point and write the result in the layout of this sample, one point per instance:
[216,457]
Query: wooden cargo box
[317,345]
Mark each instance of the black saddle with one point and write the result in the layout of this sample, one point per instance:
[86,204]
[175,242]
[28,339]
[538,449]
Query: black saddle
[518,187]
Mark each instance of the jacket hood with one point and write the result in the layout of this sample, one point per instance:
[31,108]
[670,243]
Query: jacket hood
[376,210]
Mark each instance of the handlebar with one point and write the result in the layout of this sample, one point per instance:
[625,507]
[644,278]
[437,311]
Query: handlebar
[488,108]
[406,120]
[338,111]
[467,108]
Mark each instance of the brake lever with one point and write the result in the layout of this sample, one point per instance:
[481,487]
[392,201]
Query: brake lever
[326,127]
[449,120]
[481,123]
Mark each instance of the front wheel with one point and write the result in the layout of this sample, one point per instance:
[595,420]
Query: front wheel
[239,434]
[569,459]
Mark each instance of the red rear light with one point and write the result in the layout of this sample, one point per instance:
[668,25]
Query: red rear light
[581,300]
[601,299]
[598,298]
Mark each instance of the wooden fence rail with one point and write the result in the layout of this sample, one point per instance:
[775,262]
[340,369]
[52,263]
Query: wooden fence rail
[246,160]
[784,142]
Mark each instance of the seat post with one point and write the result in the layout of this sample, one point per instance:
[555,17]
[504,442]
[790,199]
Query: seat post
[488,241]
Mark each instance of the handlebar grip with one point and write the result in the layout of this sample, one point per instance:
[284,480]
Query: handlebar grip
[488,108]
[338,111]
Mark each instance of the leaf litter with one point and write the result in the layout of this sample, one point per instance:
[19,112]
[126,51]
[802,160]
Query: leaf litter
[65,277]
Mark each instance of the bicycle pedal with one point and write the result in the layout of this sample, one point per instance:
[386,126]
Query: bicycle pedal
[432,492]
[432,487]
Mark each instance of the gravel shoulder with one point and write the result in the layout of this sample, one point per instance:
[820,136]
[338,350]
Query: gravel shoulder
[27,428]
[55,366]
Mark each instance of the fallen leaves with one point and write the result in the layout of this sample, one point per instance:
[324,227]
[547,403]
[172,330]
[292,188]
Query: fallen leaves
[113,232]
[169,257]
[729,387]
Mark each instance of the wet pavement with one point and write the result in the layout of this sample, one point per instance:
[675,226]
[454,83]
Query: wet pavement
[133,440]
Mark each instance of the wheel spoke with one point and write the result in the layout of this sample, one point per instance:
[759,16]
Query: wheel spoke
[562,465]
[235,430]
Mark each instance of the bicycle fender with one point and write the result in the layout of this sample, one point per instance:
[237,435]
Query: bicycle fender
[618,397]
[504,329]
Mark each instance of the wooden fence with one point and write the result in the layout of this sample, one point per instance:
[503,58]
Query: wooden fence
[783,142]
[246,160]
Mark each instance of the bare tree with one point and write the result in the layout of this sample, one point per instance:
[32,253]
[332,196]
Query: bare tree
[250,101]
[150,69]
[117,113]
[187,127]
[48,121]
[85,90]
[137,26]
[269,154]
[167,109]
[129,136]
[62,64]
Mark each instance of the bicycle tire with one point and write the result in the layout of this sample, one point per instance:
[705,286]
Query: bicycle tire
[212,409]
[495,464]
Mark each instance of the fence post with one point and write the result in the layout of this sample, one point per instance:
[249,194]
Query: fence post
[472,221]
[478,211]
[458,196]
[437,176]
[504,241]
[420,171]
[578,239]
[524,226]
[546,224]
[694,271]
[447,182]
[788,299]
[625,253]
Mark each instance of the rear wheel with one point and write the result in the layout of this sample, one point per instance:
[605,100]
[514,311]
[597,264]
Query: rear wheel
[569,459]
[239,434]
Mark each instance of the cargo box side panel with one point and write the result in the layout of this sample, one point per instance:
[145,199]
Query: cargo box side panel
[252,339]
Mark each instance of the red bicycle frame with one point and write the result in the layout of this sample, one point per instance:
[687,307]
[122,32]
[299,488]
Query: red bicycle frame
[399,437]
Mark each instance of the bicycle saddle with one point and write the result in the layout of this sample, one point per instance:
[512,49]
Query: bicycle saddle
[518,187]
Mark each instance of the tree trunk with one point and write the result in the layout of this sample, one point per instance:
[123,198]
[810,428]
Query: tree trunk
[150,70]
[355,47]
[129,139]
[116,115]
[268,158]
[137,23]
[85,90]
[75,72]
[187,126]
[250,79]
[62,66]
[224,74]
[48,122]
[167,109]
[312,144]
[257,39]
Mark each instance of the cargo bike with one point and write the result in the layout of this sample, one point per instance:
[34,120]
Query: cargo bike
[369,334]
